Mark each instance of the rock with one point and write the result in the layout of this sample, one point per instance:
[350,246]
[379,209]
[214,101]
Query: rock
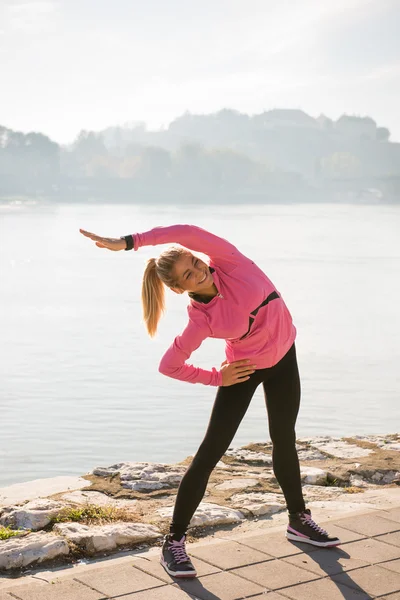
[264,474]
[33,515]
[144,486]
[311,454]
[358,481]
[106,471]
[36,547]
[366,479]
[98,498]
[319,492]
[390,477]
[29,490]
[97,538]
[249,456]
[317,439]
[385,478]
[313,475]
[388,442]
[392,446]
[236,484]
[207,514]
[144,476]
[259,503]
[341,449]
[222,465]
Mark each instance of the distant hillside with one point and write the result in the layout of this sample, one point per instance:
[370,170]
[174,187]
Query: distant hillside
[278,155]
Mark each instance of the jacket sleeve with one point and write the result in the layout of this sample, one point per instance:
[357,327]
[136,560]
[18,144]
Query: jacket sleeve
[192,237]
[173,363]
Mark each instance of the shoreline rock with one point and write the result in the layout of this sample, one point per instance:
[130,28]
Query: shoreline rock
[131,503]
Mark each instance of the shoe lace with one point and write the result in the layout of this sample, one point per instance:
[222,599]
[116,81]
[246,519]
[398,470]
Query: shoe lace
[306,518]
[178,550]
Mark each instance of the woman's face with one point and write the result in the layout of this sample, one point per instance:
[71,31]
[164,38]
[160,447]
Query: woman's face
[192,274]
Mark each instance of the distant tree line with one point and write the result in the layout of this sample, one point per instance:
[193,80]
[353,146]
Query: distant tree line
[221,156]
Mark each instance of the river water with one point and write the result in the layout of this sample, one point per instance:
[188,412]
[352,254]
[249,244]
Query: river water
[79,384]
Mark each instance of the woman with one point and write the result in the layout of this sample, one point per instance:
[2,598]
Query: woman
[230,298]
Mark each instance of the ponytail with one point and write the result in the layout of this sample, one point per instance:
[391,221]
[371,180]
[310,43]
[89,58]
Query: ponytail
[158,272]
[153,297]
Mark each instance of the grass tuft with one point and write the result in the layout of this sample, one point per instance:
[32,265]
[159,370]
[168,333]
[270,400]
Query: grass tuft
[92,514]
[331,481]
[7,533]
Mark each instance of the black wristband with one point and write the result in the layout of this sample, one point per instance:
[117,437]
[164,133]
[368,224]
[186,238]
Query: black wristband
[129,241]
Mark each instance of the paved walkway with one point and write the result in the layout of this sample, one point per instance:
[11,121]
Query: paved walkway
[260,566]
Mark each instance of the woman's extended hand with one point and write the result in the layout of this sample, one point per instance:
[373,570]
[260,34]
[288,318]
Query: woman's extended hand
[114,244]
[236,372]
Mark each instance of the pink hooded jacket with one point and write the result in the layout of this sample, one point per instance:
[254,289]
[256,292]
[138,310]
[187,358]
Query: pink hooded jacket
[264,337]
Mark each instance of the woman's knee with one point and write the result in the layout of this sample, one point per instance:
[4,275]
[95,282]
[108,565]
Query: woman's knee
[206,458]
[283,438]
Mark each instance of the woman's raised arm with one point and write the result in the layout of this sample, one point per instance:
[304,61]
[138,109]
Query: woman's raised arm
[191,236]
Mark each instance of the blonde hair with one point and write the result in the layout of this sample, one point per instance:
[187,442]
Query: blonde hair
[158,272]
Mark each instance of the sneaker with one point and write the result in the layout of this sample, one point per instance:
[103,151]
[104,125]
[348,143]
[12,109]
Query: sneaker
[302,528]
[174,558]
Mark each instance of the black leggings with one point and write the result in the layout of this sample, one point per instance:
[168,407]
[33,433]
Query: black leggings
[281,385]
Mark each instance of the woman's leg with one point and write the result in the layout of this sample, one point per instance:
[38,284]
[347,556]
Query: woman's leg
[230,406]
[282,397]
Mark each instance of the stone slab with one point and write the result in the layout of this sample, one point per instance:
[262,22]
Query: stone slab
[271,596]
[276,545]
[344,535]
[7,582]
[228,555]
[390,538]
[372,580]
[153,567]
[369,524]
[326,561]
[392,514]
[275,574]
[168,592]
[10,593]
[392,565]
[38,488]
[48,573]
[67,589]
[220,585]
[122,579]
[372,551]
[324,589]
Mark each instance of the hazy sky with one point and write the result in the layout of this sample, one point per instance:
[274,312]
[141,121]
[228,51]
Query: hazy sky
[67,65]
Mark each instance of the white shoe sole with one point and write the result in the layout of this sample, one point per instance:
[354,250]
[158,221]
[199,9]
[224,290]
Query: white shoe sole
[187,574]
[296,538]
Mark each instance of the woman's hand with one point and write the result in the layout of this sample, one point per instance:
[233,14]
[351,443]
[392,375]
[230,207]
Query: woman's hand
[114,244]
[236,372]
